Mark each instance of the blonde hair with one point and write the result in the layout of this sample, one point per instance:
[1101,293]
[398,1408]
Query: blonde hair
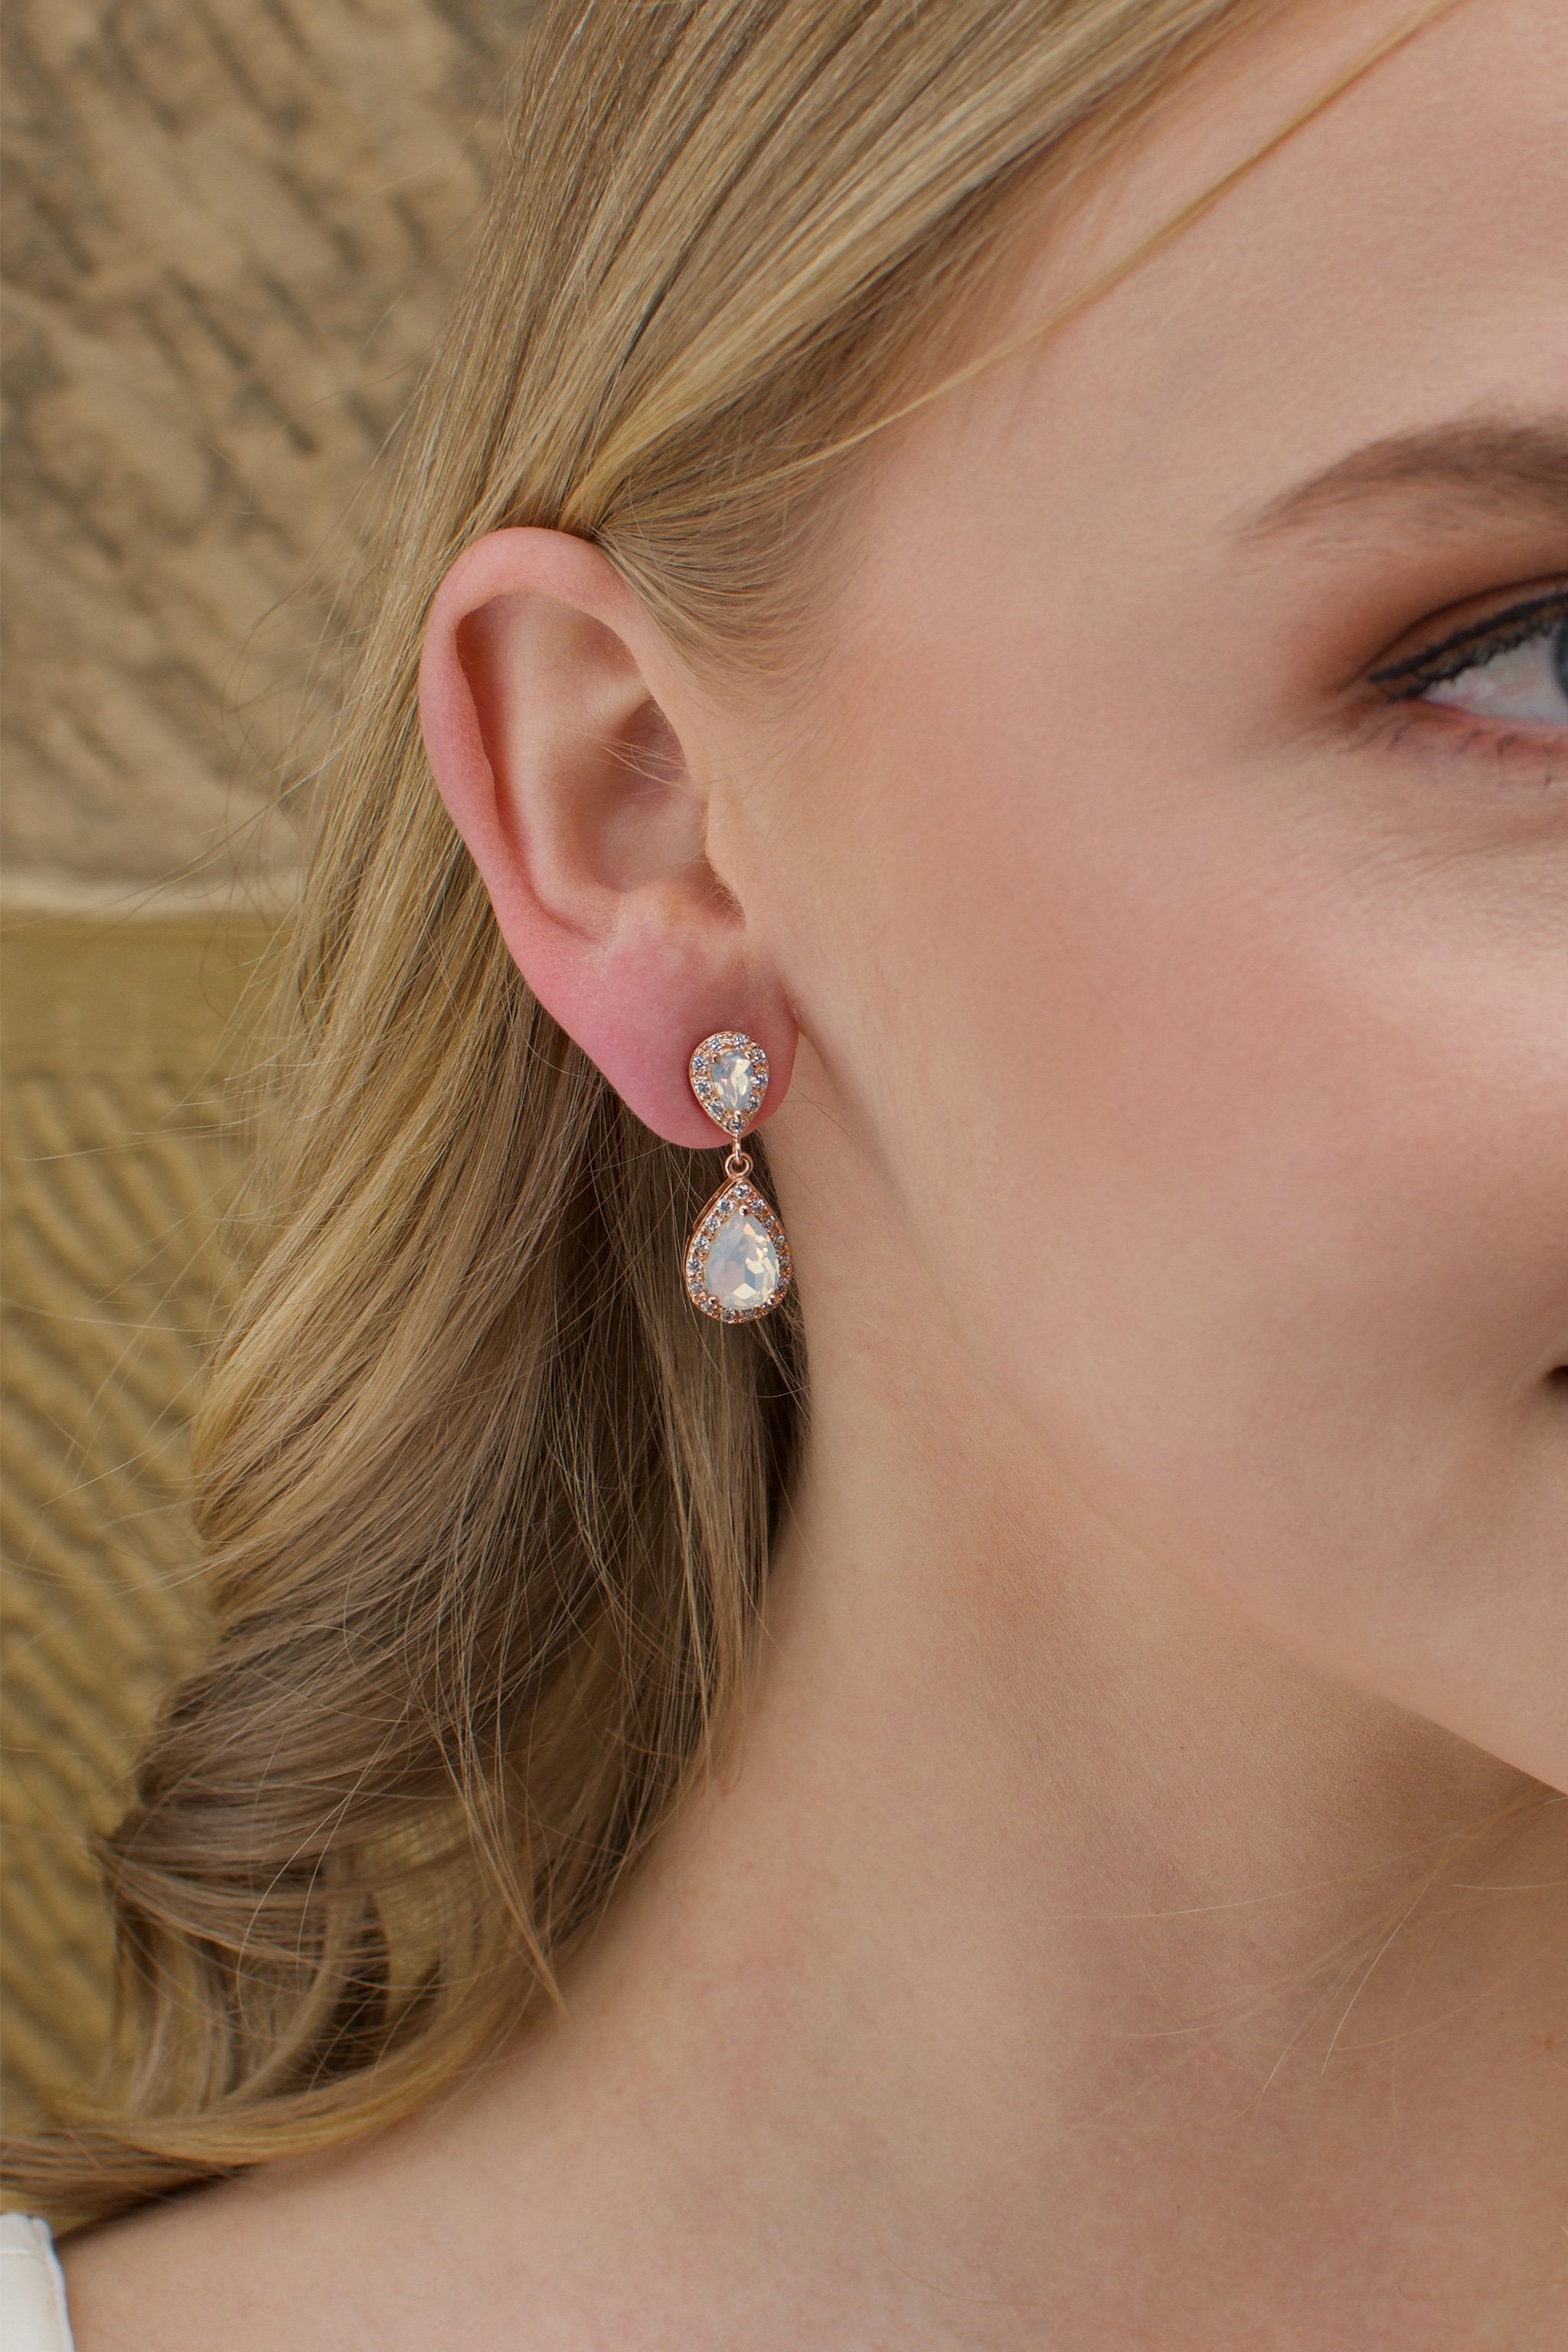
[486,1507]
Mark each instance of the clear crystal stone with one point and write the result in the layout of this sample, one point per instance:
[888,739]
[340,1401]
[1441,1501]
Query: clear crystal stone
[742,1268]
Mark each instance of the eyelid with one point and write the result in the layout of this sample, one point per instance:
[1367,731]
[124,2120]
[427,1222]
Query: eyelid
[1433,664]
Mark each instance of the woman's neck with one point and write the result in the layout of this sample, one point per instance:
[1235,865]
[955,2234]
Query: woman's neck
[1047,1946]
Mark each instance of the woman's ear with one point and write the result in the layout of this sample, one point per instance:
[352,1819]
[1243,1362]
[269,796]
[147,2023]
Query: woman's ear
[573,792]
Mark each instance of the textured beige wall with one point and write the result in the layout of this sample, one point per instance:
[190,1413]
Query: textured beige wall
[230,231]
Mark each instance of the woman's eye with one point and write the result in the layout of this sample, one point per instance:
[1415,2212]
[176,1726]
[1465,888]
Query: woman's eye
[1525,686]
[1513,670]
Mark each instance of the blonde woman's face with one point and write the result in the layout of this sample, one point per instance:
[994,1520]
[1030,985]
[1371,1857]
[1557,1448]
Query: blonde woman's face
[1172,867]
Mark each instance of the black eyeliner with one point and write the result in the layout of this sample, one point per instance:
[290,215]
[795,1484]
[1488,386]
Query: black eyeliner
[1499,633]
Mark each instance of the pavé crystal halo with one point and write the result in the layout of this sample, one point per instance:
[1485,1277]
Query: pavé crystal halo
[729,1078]
[737,1259]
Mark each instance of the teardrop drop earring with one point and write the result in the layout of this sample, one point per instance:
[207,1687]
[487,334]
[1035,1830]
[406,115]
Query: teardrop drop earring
[737,1260]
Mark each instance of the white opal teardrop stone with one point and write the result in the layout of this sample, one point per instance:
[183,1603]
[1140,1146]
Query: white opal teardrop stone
[742,1268]
[729,1074]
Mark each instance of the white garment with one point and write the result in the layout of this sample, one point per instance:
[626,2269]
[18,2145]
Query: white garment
[32,2292]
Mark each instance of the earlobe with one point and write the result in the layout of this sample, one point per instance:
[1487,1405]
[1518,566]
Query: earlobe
[565,776]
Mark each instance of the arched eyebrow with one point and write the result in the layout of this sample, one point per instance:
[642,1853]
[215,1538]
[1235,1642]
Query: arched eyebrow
[1441,475]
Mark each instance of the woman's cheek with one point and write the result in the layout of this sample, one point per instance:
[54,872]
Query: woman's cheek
[1261,1214]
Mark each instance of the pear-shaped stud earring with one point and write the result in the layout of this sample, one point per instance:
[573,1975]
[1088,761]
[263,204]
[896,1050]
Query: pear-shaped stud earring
[737,1260]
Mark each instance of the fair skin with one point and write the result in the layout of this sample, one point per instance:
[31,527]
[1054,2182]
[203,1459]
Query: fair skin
[1105,1931]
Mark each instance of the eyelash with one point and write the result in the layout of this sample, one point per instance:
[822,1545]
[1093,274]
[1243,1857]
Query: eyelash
[1534,756]
[1407,680]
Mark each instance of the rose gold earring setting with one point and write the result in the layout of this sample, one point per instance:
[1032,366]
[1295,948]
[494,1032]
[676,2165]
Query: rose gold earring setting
[737,1260]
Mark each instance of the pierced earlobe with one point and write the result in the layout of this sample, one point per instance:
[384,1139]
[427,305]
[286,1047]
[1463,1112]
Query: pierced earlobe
[737,1260]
